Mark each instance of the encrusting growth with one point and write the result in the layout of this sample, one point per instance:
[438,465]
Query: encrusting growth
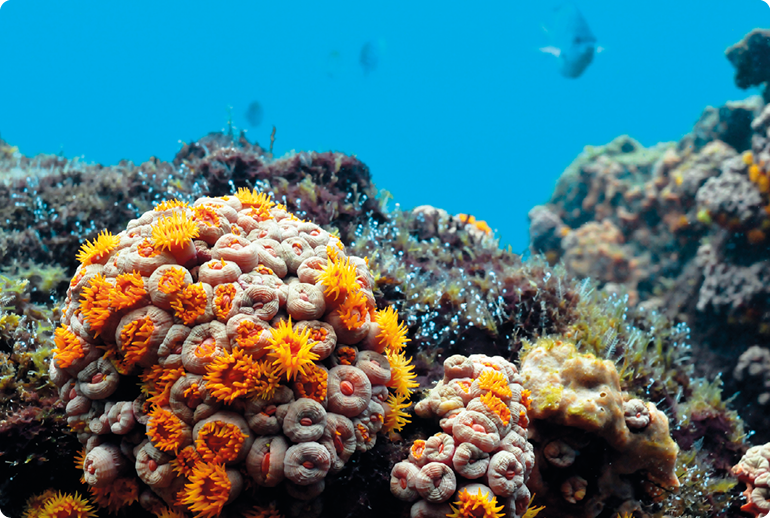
[479,465]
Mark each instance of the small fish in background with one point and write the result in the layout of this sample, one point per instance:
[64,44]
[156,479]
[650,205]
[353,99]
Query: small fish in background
[574,43]
[369,57]
[254,114]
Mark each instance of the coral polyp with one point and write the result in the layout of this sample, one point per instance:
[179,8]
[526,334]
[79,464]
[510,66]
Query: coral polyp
[96,251]
[290,350]
[175,232]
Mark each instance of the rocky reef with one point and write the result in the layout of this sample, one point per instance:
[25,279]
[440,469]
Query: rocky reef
[683,228]
[568,374]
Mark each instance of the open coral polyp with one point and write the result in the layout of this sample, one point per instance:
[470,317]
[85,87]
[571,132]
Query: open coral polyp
[171,204]
[290,350]
[231,375]
[64,505]
[479,505]
[190,303]
[68,347]
[259,202]
[396,417]
[172,281]
[219,442]
[402,375]
[174,232]
[392,333]
[339,277]
[185,461]
[207,490]
[495,383]
[136,336]
[165,430]
[95,302]
[353,310]
[129,289]
[121,493]
[496,405]
[312,384]
[97,250]
[266,381]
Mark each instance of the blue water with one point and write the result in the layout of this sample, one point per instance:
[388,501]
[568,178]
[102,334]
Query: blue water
[461,111]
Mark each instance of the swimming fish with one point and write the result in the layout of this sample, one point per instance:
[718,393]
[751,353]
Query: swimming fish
[574,43]
[369,57]
[254,114]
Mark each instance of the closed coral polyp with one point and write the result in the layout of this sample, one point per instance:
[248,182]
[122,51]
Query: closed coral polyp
[174,233]
[291,350]
[347,355]
[219,442]
[96,251]
[207,490]
[147,249]
[68,347]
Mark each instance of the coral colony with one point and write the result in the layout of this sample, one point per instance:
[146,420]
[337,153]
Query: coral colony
[236,335]
[259,348]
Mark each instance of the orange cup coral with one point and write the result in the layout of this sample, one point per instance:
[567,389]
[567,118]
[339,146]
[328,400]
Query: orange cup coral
[261,355]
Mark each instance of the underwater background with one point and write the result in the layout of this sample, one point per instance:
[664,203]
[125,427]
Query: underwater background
[461,109]
[334,260]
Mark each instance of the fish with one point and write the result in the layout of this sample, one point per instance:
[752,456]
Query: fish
[254,114]
[574,43]
[369,57]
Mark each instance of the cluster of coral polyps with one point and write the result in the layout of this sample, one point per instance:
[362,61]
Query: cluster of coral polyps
[257,345]
[479,465]
[50,504]
[595,446]
[754,471]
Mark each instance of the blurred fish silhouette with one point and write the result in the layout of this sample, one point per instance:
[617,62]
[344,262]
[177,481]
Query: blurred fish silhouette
[369,57]
[574,43]
[254,114]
